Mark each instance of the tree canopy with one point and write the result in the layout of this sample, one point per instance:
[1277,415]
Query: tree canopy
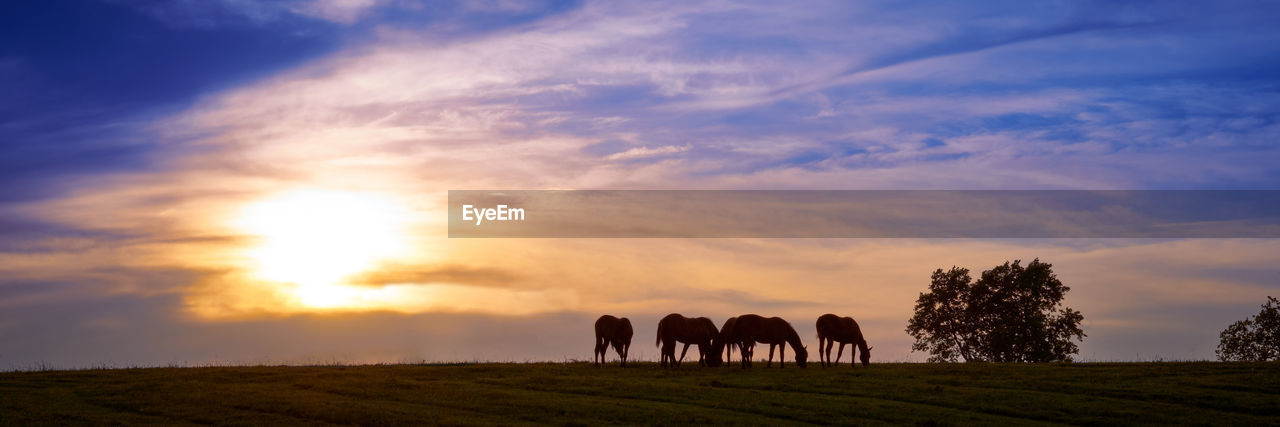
[1256,338]
[1010,314]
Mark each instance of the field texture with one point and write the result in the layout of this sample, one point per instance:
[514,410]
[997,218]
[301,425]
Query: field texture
[581,394]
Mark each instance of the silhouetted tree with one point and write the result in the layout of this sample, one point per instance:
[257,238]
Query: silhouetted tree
[1011,314]
[1256,338]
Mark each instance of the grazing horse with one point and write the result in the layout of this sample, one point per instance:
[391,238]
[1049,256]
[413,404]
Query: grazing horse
[726,340]
[776,332]
[612,331]
[844,330]
[676,328]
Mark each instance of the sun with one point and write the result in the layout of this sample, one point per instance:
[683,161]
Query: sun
[314,239]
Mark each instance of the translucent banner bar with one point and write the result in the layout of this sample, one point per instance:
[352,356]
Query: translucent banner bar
[864,213]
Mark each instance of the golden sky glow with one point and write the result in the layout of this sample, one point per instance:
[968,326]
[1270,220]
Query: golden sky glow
[315,239]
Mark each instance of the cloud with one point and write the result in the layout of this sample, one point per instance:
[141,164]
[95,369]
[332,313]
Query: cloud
[1179,290]
[641,152]
[220,13]
[409,116]
[544,91]
[398,274]
[126,331]
[341,11]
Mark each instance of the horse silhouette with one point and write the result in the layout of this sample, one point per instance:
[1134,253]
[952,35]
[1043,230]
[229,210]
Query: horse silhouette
[751,328]
[612,331]
[676,328]
[844,330]
[725,341]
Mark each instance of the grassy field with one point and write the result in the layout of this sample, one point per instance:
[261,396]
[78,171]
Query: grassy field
[578,393]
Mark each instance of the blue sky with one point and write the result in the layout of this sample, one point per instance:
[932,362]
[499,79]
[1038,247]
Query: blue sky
[1100,84]
[132,134]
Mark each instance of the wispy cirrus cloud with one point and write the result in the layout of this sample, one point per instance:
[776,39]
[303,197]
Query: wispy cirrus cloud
[621,96]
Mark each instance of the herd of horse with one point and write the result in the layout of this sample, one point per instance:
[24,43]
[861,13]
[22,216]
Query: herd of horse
[715,345]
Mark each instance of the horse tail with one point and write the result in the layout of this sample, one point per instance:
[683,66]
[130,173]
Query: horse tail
[658,341]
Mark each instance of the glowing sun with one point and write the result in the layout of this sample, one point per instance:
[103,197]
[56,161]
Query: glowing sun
[315,239]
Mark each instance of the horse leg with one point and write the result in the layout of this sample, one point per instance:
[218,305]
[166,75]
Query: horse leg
[782,356]
[832,343]
[617,348]
[625,349]
[671,354]
[828,351]
[769,363]
[820,359]
[595,355]
[824,358]
[604,351]
[682,353]
[668,353]
[839,353]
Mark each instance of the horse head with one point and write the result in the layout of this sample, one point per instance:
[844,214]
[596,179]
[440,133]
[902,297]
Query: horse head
[715,355]
[866,356]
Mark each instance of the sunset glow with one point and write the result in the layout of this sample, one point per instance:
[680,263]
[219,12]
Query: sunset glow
[314,239]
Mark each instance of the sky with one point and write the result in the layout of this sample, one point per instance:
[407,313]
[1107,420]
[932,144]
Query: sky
[228,181]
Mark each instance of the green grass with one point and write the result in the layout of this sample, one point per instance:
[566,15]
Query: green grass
[578,393]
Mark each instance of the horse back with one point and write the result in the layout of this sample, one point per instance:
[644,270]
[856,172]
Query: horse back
[673,326]
[613,328]
[605,324]
[751,327]
[704,328]
[828,325]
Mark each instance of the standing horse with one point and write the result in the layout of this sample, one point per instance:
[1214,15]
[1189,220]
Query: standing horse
[844,330]
[776,332]
[676,328]
[612,331]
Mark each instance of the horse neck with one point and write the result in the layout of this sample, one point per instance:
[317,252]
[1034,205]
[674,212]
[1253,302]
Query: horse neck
[856,334]
[793,338]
